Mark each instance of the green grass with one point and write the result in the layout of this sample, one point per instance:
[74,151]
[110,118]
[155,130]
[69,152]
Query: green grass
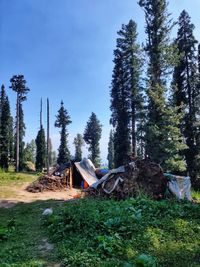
[21,235]
[7,178]
[196,195]
[11,181]
[135,232]
[102,233]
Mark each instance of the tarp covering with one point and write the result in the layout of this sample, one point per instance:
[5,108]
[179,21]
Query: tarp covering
[179,186]
[87,171]
[62,168]
[105,177]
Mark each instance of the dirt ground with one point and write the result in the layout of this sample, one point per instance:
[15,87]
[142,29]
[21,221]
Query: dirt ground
[19,194]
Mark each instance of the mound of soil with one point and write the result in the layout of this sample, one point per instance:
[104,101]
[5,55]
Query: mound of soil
[142,176]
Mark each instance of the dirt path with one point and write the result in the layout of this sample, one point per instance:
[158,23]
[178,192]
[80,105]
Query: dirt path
[19,194]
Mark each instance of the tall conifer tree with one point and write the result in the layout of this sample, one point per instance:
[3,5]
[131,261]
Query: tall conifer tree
[5,130]
[185,84]
[40,142]
[163,137]
[126,93]
[127,44]
[120,108]
[92,136]
[78,143]
[62,121]
[40,149]
[18,84]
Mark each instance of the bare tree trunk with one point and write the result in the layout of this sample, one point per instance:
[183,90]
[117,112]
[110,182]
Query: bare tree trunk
[17,137]
[41,114]
[133,130]
[47,136]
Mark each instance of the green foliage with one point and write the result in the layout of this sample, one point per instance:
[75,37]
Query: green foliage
[92,136]
[163,138]
[4,234]
[126,93]
[21,234]
[18,85]
[135,232]
[30,151]
[6,131]
[62,121]
[40,150]
[78,142]
[186,92]
[111,151]
[144,260]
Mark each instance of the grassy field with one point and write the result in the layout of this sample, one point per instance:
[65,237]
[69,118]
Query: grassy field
[11,181]
[12,178]
[22,237]
[103,233]
[135,232]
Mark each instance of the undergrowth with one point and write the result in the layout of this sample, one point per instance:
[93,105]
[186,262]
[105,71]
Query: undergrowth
[135,232]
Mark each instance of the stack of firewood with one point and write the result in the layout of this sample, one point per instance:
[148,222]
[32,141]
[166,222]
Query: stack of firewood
[47,183]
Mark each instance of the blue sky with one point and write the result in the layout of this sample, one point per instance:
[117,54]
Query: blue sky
[64,48]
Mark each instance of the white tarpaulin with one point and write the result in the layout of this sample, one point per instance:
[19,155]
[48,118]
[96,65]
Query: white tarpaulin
[87,171]
[105,177]
[180,186]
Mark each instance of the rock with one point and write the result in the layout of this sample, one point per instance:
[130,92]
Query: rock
[47,212]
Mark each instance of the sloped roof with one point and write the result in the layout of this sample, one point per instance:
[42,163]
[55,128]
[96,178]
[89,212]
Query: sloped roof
[87,171]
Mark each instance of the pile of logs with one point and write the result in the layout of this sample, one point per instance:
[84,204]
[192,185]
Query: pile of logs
[141,177]
[48,183]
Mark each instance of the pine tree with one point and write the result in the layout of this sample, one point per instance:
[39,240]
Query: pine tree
[111,154]
[78,142]
[92,136]
[163,137]
[126,93]
[197,126]
[18,84]
[40,149]
[186,89]
[5,128]
[120,108]
[2,102]
[62,121]
[130,49]
[30,151]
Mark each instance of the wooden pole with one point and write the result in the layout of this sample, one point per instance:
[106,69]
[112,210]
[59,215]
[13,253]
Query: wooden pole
[70,177]
[47,136]
[41,114]
[17,137]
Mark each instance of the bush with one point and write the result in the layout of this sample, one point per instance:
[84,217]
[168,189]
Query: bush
[135,232]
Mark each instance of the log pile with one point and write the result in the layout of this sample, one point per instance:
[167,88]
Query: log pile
[48,183]
[143,176]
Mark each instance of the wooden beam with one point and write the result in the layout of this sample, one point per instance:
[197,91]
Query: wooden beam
[71,177]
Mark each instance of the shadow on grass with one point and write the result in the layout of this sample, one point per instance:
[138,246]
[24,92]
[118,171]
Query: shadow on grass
[22,235]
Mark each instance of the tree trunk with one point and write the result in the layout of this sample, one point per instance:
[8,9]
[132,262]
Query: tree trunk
[47,136]
[17,137]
